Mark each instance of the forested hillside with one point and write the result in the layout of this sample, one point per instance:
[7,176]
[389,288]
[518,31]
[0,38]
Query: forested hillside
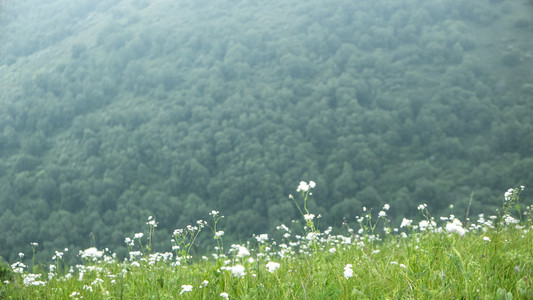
[112,111]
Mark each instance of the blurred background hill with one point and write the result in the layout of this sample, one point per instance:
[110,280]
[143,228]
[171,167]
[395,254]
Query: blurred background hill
[112,111]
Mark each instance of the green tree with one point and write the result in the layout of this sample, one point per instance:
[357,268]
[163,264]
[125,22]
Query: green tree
[72,196]
[345,185]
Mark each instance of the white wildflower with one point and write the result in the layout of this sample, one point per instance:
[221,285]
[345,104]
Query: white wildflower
[91,253]
[303,187]
[283,227]
[88,288]
[348,272]
[272,266]
[508,219]
[129,241]
[58,255]
[238,271]
[262,238]
[424,225]
[346,240]
[31,279]
[186,288]
[151,222]
[309,217]
[508,194]
[243,252]
[136,264]
[311,236]
[406,222]
[455,227]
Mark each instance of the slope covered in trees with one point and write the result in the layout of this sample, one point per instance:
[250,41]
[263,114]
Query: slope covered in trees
[111,111]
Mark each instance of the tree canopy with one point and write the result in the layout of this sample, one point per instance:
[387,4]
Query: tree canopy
[112,111]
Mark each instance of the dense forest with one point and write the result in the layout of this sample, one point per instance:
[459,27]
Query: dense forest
[113,111]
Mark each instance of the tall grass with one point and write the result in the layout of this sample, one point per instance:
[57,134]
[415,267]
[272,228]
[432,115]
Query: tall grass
[434,258]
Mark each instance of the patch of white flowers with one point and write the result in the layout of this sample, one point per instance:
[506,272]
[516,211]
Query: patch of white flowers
[304,186]
[186,288]
[91,253]
[348,272]
[272,266]
[236,270]
[455,227]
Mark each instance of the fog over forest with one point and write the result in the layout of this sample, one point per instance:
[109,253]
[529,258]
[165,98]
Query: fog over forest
[112,111]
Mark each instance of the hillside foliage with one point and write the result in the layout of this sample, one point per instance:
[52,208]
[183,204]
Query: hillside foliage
[111,111]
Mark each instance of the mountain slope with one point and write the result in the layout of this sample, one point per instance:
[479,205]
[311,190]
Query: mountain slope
[116,110]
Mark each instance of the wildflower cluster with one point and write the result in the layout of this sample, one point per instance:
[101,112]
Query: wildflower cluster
[304,189]
[183,239]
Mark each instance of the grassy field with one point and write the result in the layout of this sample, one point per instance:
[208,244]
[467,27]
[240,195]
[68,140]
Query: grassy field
[490,257]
